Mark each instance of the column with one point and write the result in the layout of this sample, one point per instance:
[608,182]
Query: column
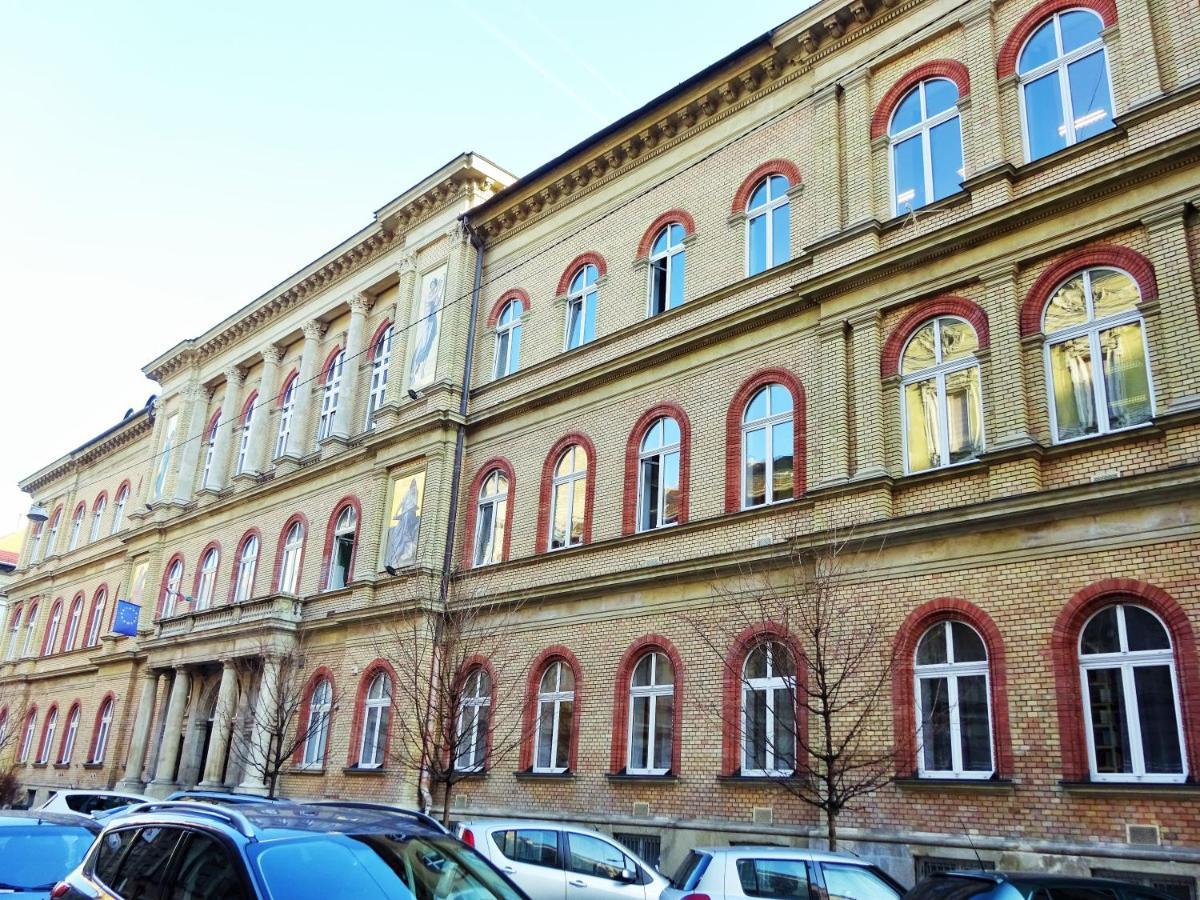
[1137,72]
[397,372]
[141,733]
[258,452]
[299,438]
[868,396]
[826,203]
[984,135]
[360,304]
[196,402]
[218,745]
[145,491]
[264,724]
[164,772]
[1175,333]
[830,410]
[227,429]
[856,119]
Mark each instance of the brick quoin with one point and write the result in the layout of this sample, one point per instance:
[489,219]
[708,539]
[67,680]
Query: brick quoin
[278,565]
[504,467]
[676,216]
[543,520]
[1110,255]
[1006,59]
[733,433]
[356,722]
[618,752]
[946,305]
[632,450]
[1064,654]
[583,259]
[951,69]
[237,558]
[306,707]
[731,692]
[784,167]
[176,557]
[529,721]
[904,722]
[327,551]
[110,697]
[498,306]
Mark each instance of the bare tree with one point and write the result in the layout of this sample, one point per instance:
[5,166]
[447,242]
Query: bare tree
[12,730]
[814,688]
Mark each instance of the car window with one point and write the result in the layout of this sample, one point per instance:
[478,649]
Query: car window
[690,871]
[588,855]
[843,882]
[951,887]
[109,851]
[785,878]
[36,856]
[141,871]
[205,872]
[536,846]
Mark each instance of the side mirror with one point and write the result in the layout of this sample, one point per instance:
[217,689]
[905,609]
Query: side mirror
[628,876]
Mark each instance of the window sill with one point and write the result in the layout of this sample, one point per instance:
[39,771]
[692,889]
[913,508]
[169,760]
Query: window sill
[62,765]
[1079,148]
[529,775]
[898,220]
[1124,788]
[38,765]
[469,774]
[622,777]
[359,770]
[93,765]
[939,785]
[759,780]
[313,770]
[1108,439]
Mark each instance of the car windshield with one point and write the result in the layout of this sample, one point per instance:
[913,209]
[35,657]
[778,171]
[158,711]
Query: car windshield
[379,867]
[34,857]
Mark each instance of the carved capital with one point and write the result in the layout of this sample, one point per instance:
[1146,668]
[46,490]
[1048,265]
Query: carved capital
[361,303]
[405,262]
[313,330]
[272,354]
[234,375]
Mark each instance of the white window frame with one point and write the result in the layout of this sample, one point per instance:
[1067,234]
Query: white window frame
[569,480]
[289,567]
[475,699]
[316,733]
[30,627]
[73,619]
[675,255]
[924,128]
[341,529]
[97,517]
[99,603]
[490,545]
[52,627]
[102,731]
[14,634]
[331,396]
[653,692]
[579,297]
[509,329]
[68,747]
[48,732]
[244,443]
[286,409]
[210,447]
[208,579]
[173,591]
[76,527]
[119,510]
[247,568]
[52,540]
[771,683]
[951,672]
[27,740]
[375,710]
[553,699]
[767,209]
[662,452]
[381,362]
[768,422]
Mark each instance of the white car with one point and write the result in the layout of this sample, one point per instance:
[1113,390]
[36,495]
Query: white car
[90,802]
[556,861]
[731,873]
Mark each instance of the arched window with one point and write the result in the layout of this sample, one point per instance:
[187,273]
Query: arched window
[555,718]
[4,727]
[30,626]
[381,361]
[375,713]
[173,589]
[76,527]
[1065,91]
[97,516]
[52,628]
[244,443]
[36,549]
[666,269]
[287,405]
[316,728]
[473,718]
[1131,701]
[210,447]
[768,447]
[14,633]
[289,564]
[103,727]
[52,539]
[768,225]
[651,714]
[27,738]
[925,136]
[954,721]
[119,509]
[208,578]
[341,558]
[48,732]
[329,395]
[658,475]
[581,307]
[1097,364]
[568,492]
[491,517]
[96,622]
[73,620]
[769,711]
[68,744]
[508,338]
[942,408]
[247,565]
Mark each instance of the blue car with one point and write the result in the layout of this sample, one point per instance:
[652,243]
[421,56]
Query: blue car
[38,848]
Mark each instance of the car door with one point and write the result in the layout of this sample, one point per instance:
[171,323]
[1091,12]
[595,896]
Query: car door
[145,860]
[205,869]
[531,857]
[596,868]
[778,878]
[847,881]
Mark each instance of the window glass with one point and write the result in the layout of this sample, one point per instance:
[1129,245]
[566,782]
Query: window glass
[35,856]
[1078,29]
[110,852]
[205,872]
[783,878]
[141,871]
[857,883]
[908,111]
[690,871]
[945,154]
[1090,101]
[1143,630]
[1044,116]
[529,845]
[591,856]
[940,95]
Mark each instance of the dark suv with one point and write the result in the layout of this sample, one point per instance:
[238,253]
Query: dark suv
[298,851]
[1027,886]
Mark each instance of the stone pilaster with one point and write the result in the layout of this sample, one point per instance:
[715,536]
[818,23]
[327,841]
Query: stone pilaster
[253,781]
[1006,415]
[218,745]
[856,119]
[865,338]
[1137,72]
[825,205]
[1174,334]
[394,395]
[831,409]
[299,436]
[195,400]
[360,305]
[983,132]
[140,737]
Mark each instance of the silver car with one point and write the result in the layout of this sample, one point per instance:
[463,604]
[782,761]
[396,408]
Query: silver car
[556,861]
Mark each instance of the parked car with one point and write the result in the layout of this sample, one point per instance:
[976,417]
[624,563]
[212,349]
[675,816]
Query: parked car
[979,885]
[225,798]
[90,802]
[551,860]
[297,851]
[726,873]
[37,848]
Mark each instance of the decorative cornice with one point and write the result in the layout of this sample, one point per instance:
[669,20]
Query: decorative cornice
[139,424]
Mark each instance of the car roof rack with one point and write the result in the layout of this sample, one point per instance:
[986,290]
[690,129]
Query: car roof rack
[421,817]
[225,814]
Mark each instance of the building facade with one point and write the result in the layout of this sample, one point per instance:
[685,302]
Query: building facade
[919,271]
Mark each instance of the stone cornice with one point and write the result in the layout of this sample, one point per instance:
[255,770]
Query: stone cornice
[124,432]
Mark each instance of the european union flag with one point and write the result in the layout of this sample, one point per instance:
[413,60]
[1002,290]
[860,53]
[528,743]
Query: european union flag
[125,621]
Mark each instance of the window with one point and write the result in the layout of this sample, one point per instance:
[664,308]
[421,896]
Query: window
[52,540]
[97,516]
[172,590]
[142,867]
[97,620]
[247,565]
[3,727]
[103,727]
[76,527]
[14,633]
[329,395]
[381,360]
[48,735]
[210,447]
[376,708]
[535,846]
[666,269]
[1130,697]
[768,225]
[767,447]
[555,718]
[473,718]
[568,498]
[843,881]
[289,567]
[119,509]
[342,553]
[651,713]
[783,878]
[1065,91]
[316,731]
[658,475]
[508,339]
[208,578]
[68,746]
[37,543]
[954,722]
[491,517]
[926,145]
[588,855]
[581,307]
[27,739]
[205,871]
[244,443]
[769,711]
[164,458]
[52,628]
[30,625]
[73,624]
[1097,364]
[286,407]
[942,406]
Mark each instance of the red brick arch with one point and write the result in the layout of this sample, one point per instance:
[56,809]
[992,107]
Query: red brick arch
[1111,255]
[378,336]
[356,723]
[1064,656]
[619,750]
[733,433]
[529,720]
[946,305]
[784,167]
[81,631]
[498,306]
[47,644]
[92,611]
[1006,60]
[950,69]
[591,257]
[248,406]
[306,705]
[329,361]
[41,744]
[504,467]
[543,518]
[676,216]
[632,448]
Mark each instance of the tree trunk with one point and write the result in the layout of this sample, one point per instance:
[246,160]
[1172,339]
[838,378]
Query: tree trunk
[831,828]
[446,804]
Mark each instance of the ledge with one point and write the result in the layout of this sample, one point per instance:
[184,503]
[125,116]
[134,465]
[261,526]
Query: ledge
[1125,788]
[62,765]
[355,770]
[37,765]
[470,775]
[938,785]
[760,780]
[622,778]
[527,775]
[311,770]
[1108,136]
[93,765]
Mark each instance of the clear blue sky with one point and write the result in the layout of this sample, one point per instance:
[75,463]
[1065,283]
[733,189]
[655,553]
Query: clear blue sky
[161,164]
